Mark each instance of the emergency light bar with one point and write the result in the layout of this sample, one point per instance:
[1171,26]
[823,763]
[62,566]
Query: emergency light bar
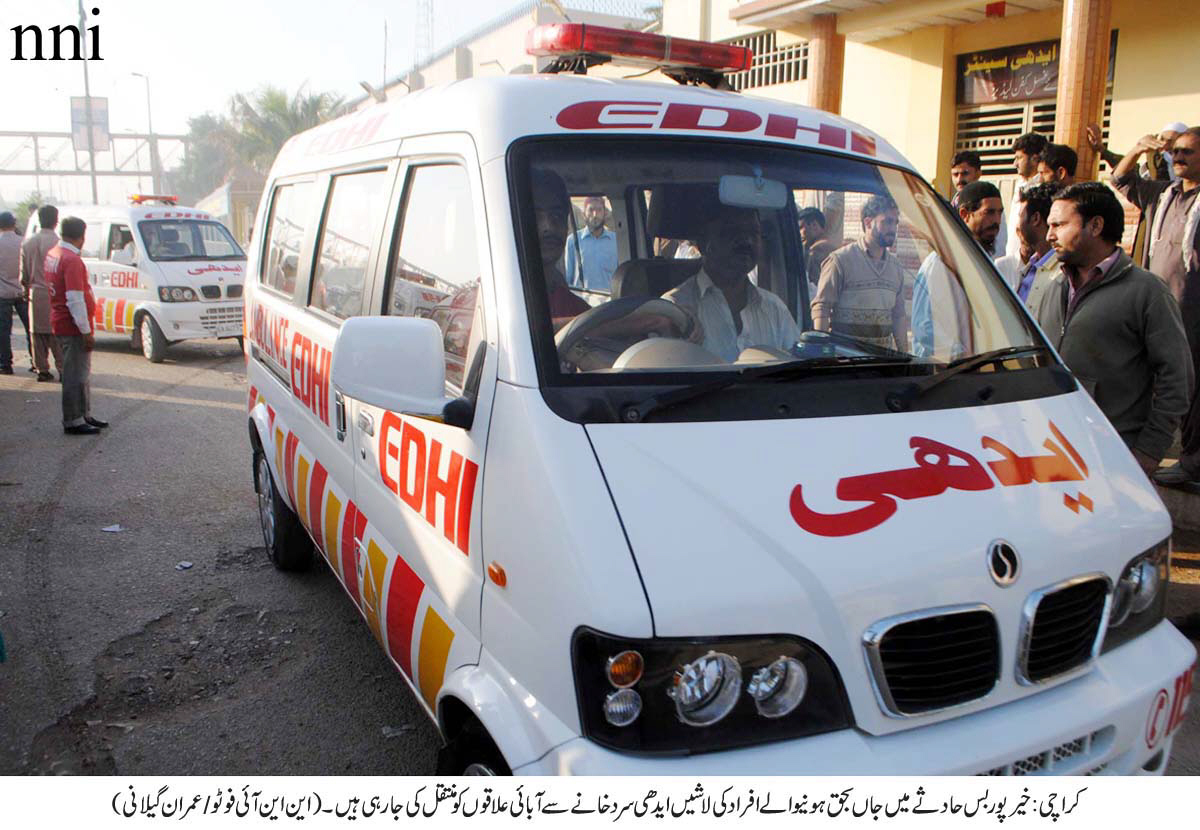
[576,45]
[146,198]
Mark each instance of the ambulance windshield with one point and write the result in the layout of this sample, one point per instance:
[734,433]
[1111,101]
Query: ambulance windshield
[167,240]
[684,255]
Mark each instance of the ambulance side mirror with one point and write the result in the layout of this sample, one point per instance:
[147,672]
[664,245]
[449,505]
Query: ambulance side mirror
[395,363]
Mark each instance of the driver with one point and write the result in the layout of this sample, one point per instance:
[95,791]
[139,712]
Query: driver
[551,210]
[734,313]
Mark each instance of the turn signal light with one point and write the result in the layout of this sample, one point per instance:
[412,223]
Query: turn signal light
[625,669]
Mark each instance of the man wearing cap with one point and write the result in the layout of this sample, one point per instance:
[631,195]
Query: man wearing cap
[1157,165]
[12,293]
[1172,252]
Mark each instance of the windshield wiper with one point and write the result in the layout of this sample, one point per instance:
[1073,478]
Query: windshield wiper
[903,399]
[634,413]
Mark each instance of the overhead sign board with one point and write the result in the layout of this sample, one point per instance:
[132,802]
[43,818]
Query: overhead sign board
[79,121]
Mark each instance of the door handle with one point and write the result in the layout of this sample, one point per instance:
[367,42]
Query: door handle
[366,423]
[339,415]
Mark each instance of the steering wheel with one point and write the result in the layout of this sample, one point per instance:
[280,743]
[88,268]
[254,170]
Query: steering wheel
[591,323]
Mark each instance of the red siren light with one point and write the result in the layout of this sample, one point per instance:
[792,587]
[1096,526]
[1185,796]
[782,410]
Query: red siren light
[147,198]
[561,40]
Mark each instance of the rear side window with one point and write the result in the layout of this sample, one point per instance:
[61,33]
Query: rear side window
[435,272]
[357,202]
[285,234]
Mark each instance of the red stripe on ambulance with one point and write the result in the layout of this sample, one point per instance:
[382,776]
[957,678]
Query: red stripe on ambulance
[316,495]
[404,595]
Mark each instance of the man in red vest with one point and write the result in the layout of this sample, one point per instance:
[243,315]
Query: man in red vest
[72,308]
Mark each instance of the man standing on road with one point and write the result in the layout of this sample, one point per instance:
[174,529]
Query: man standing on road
[33,277]
[1035,270]
[1122,336]
[861,292]
[940,311]
[12,293]
[816,246]
[1027,152]
[596,246]
[1058,165]
[1171,210]
[72,308]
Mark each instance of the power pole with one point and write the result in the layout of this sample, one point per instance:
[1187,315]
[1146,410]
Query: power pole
[87,104]
[424,32]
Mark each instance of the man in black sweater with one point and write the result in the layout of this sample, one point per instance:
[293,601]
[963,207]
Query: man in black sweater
[1123,336]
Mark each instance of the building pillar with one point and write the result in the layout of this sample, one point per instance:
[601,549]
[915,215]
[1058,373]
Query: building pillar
[1082,77]
[826,60]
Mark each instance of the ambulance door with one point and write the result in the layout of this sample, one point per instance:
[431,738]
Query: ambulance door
[420,480]
[315,448]
[118,285]
[92,254]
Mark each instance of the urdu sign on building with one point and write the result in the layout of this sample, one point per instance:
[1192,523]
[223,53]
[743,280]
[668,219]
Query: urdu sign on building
[1014,73]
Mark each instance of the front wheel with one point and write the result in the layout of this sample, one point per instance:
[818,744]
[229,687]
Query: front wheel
[471,752]
[288,546]
[154,344]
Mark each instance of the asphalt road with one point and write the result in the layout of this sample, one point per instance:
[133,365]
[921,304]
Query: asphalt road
[120,660]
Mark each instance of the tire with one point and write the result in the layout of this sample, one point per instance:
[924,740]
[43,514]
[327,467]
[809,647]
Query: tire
[288,546]
[154,344]
[471,752]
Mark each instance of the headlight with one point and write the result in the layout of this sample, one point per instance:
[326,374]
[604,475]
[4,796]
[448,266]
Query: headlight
[684,696]
[176,294]
[1140,596]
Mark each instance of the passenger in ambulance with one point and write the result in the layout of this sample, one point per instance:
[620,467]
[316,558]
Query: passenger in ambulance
[124,253]
[733,312]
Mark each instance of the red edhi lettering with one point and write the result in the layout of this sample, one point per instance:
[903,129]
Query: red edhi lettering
[309,375]
[419,482]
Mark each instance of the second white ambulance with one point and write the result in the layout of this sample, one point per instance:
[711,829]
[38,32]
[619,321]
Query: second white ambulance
[645,537]
[161,273]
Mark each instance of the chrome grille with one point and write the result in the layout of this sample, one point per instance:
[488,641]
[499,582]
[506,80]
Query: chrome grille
[1074,757]
[934,660]
[214,319]
[1061,628]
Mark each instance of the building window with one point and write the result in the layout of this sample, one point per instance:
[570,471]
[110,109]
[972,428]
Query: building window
[772,64]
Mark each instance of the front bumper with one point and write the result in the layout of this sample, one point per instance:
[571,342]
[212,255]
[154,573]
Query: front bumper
[1111,720]
[186,321]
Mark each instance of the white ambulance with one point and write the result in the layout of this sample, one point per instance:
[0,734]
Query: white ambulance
[644,538]
[161,273]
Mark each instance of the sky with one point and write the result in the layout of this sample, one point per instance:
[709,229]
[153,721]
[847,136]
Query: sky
[199,54]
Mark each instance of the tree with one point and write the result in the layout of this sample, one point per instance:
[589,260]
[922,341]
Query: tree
[269,118]
[248,137]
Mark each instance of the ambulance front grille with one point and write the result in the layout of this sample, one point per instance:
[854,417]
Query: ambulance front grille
[211,292]
[1074,757]
[934,660]
[1064,630]
[213,319]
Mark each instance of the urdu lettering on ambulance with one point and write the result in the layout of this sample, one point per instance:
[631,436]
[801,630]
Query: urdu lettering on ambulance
[493,559]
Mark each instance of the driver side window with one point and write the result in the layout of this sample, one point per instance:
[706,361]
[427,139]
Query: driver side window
[434,272]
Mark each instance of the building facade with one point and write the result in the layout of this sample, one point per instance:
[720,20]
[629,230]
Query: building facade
[936,76]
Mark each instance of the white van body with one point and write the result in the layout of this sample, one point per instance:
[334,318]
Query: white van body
[155,289]
[504,562]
